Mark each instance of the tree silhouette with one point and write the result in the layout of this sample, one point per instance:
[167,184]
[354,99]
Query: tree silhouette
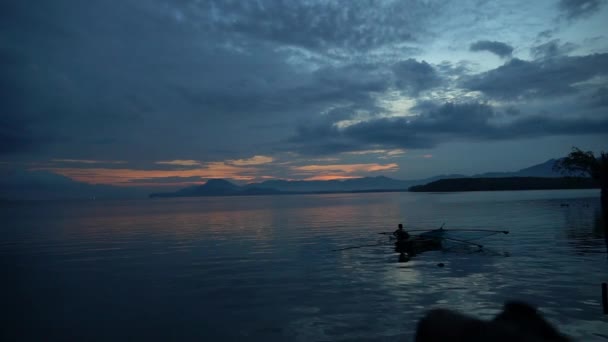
[580,163]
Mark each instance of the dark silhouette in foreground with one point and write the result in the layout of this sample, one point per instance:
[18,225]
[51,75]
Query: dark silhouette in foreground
[517,322]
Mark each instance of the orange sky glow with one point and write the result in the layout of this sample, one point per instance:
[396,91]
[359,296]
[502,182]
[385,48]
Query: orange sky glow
[247,170]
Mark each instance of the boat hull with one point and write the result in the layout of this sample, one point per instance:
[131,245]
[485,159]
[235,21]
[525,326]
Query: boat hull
[418,245]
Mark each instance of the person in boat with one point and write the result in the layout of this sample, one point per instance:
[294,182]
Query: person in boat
[400,234]
[417,244]
[403,243]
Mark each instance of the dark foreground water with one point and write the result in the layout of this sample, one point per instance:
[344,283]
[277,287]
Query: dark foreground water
[263,269]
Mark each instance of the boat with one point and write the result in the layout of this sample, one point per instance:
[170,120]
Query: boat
[439,239]
[428,241]
[442,239]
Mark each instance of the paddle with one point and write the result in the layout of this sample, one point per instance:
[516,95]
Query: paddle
[415,230]
[360,246]
[480,230]
[461,241]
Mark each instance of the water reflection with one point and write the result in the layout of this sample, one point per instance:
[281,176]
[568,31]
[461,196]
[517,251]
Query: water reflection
[186,269]
[585,227]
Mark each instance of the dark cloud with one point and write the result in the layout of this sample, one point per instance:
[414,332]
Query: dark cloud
[500,49]
[126,89]
[455,69]
[350,83]
[316,25]
[544,35]
[574,9]
[541,78]
[413,76]
[19,133]
[144,81]
[14,137]
[552,49]
[599,98]
[443,124]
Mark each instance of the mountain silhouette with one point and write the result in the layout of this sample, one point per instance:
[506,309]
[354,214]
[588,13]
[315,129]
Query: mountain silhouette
[539,170]
[221,187]
[40,185]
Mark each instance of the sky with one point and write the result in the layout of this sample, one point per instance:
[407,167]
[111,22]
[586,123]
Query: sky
[172,93]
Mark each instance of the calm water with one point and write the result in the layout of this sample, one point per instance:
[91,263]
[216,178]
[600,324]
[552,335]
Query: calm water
[262,268]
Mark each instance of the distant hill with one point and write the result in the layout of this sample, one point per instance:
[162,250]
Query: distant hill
[539,170]
[506,183]
[347,185]
[385,183]
[217,187]
[220,187]
[367,183]
[45,185]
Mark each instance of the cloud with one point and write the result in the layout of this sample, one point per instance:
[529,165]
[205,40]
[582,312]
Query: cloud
[540,78]
[255,160]
[442,124]
[574,9]
[323,26]
[500,49]
[127,176]
[552,49]
[178,85]
[87,161]
[108,102]
[179,162]
[347,168]
[14,137]
[599,98]
[414,77]
[382,153]
[346,83]
[197,92]
[340,171]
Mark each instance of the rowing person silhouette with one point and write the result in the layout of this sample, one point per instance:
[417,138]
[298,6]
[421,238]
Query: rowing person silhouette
[403,244]
[400,234]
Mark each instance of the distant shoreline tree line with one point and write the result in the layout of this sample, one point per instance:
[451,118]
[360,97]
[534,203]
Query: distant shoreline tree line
[506,184]
[582,170]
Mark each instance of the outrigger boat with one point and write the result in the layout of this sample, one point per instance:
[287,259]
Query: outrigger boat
[441,239]
[427,241]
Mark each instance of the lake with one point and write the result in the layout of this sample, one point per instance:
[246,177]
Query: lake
[264,268]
